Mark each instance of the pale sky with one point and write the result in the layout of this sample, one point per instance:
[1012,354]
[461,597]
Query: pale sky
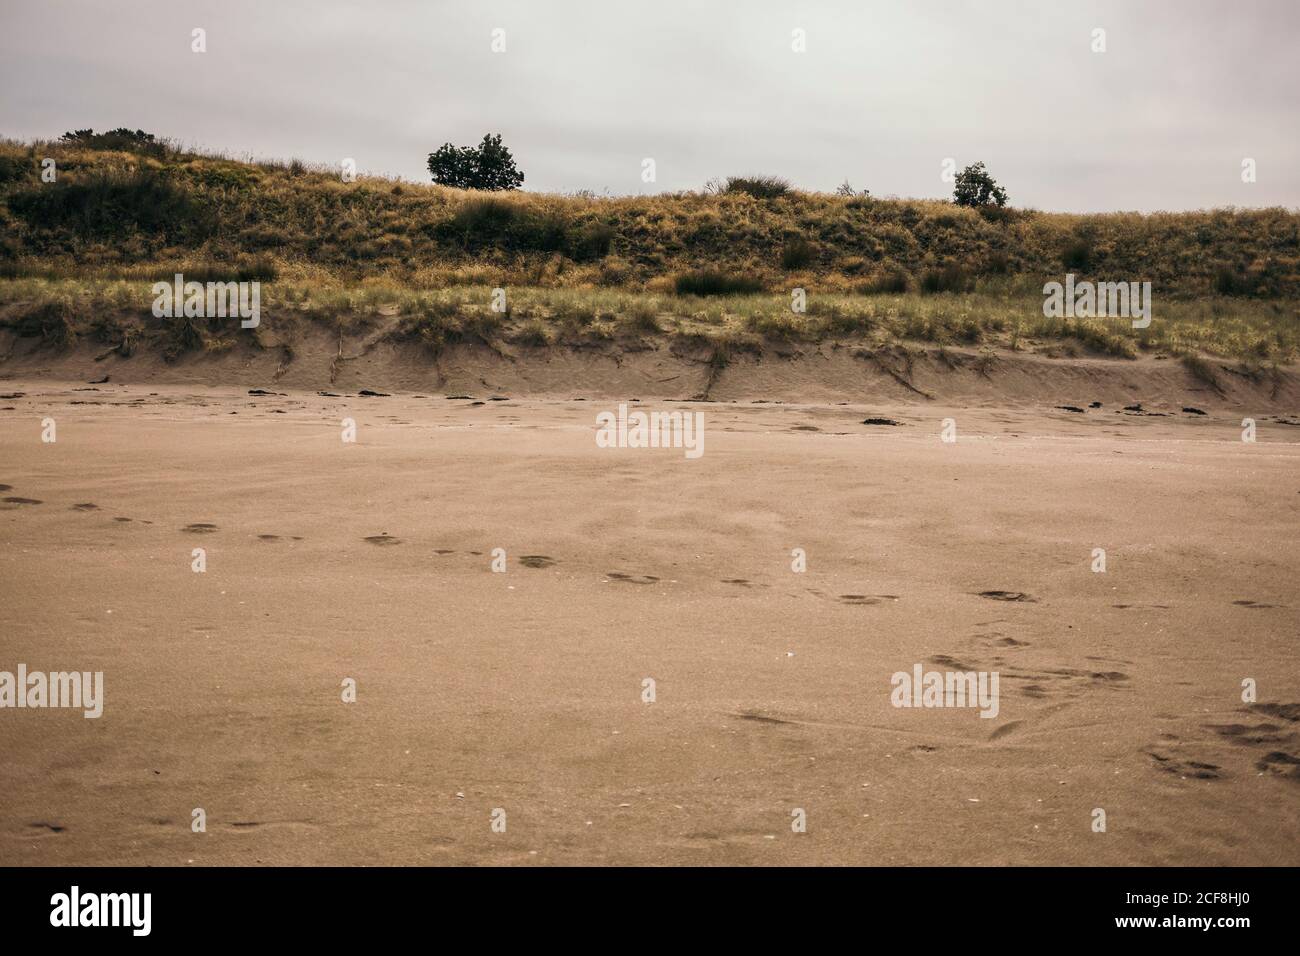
[587,89]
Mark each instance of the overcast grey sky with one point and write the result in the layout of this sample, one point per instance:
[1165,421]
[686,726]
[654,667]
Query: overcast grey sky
[586,89]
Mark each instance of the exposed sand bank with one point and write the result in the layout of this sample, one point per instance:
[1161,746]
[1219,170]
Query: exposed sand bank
[311,357]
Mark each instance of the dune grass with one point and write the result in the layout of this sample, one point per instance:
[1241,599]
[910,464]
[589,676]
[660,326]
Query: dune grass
[116,213]
[996,316]
[720,263]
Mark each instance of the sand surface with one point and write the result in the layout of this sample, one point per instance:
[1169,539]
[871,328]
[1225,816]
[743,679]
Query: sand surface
[522,690]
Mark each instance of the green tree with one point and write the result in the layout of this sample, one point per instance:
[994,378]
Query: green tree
[975,187]
[487,166]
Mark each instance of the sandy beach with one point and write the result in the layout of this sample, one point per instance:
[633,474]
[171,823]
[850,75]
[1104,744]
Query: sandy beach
[523,691]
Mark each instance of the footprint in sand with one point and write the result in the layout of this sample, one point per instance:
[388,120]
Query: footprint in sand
[85,506]
[383,539]
[18,502]
[1247,735]
[536,561]
[1280,762]
[124,520]
[943,660]
[997,639]
[760,718]
[1198,769]
[268,537]
[1271,740]
[199,527]
[48,827]
[1253,605]
[631,578]
[1020,596]
[443,551]
[1289,712]
[6,487]
[865,599]
[1007,728]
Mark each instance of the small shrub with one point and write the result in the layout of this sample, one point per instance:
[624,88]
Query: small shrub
[760,187]
[113,203]
[120,139]
[889,282]
[534,332]
[485,214]
[797,254]
[642,319]
[949,278]
[1100,336]
[14,168]
[1078,255]
[784,326]
[998,214]
[715,282]
[489,221]
[593,242]
[1235,282]
[252,269]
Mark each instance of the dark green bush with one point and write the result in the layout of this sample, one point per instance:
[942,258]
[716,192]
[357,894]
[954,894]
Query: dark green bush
[797,254]
[593,242]
[1236,282]
[1078,255]
[997,263]
[889,282]
[114,203]
[949,278]
[123,139]
[715,282]
[251,269]
[760,187]
[14,168]
[491,222]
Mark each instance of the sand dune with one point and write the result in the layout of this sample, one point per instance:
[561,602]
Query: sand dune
[522,690]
